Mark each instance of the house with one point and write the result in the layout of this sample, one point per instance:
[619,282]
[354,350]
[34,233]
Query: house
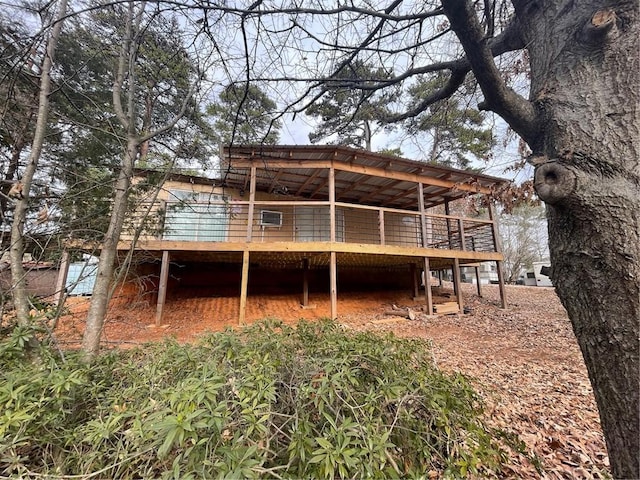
[310,219]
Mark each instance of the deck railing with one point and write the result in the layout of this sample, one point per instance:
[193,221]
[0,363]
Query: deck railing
[307,221]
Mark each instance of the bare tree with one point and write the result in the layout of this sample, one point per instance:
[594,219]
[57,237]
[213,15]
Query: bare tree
[580,121]
[524,239]
[20,297]
[138,132]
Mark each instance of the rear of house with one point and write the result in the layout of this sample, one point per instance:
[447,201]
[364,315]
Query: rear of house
[309,220]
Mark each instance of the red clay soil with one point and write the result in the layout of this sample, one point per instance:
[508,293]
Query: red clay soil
[524,359]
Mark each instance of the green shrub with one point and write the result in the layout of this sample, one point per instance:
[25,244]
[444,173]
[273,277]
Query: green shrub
[314,401]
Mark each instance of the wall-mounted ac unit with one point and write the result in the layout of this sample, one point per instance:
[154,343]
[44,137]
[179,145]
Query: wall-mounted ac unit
[270,218]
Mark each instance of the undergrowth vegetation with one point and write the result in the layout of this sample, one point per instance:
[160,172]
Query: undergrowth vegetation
[271,401]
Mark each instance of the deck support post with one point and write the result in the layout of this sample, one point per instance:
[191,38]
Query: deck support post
[61,281]
[162,287]
[427,286]
[456,282]
[503,291]
[414,278]
[479,286]
[333,289]
[244,283]
[305,282]
[252,201]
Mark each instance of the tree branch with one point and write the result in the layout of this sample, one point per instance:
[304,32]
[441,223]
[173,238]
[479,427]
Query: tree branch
[518,112]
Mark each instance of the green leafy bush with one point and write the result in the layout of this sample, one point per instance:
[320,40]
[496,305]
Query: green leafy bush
[271,401]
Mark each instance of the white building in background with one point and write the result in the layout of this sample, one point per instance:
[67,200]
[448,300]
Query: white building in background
[488,273]
[536,278]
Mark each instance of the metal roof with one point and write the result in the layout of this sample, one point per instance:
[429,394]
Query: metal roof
[361,177]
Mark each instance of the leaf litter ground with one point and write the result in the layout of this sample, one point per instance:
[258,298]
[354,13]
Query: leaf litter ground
[524,359]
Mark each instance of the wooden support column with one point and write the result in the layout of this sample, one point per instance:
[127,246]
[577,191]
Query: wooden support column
[423,219]
[503,291]
[162,287]
[456,282]
[495,232]
[381,226]
[427,286]
[333,267]
[332,203]
[333,288]
[244,283]
[61,281]
[305,282]
[479,286]
[414,278]
[252,201]
[463,245]
[447,212]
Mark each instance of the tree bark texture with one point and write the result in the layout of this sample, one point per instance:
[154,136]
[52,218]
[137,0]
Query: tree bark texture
[585,86]
[102,288]
[18,276]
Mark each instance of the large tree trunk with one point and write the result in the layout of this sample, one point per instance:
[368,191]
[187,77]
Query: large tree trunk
[584,75]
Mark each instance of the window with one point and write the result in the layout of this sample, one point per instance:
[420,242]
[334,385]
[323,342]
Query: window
[196,216]
[270,218]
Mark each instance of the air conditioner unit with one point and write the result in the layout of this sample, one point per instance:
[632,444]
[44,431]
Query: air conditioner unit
[270,218]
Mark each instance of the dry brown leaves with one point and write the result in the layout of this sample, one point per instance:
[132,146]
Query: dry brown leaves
[524,360]
[527,365]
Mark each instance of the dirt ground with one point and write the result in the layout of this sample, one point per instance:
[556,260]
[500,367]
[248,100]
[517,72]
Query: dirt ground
[523,359]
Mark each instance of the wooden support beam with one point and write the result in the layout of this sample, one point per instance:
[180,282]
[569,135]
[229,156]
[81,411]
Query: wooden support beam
[311,178]
[352,187]
[503,291]
[333,287]
[381,226]
[320,187]
[305,282]
[244,283]
[252,203]
[375,192]
[61,281]
[456,281]
[447,212]
[423,219]
[162,287]
[414,278]
[495,232]
[479,285]
[463,245]
[275,179]
[427,286]
[332,203]
[402,194]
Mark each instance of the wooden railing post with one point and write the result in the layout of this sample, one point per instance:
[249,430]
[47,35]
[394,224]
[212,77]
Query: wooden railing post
[423,222]
[447,212]
[252,200]
[497,243]
[332,203]
[461,231]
